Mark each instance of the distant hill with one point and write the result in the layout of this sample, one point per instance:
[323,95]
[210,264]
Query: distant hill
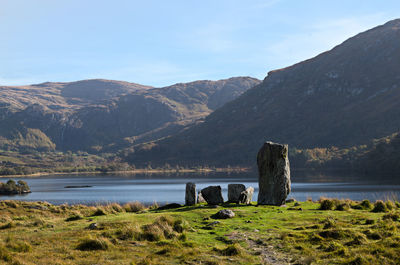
[105,115]
[344,97]
[65,95]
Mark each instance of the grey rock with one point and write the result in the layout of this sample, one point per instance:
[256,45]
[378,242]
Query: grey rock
[246,196]
[234,191]
[212,195]
[274,174]
[190,195]
[200,198]
[224,214]
[290,200]
[93,226]
[213,223]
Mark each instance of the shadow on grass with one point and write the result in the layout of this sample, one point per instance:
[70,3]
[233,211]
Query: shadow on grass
[204,206]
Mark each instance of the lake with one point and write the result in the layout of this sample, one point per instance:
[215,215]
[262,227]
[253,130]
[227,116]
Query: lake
[168,188]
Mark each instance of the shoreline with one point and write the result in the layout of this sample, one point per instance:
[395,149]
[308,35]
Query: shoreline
[134,171]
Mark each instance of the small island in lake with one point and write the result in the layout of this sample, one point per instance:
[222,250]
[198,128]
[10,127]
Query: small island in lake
[77,186]
[12,187]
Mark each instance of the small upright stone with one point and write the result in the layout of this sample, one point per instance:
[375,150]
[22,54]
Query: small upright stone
[212,195]
[246,196]
[274,174]
[191,195]
[200,198]
[234,191]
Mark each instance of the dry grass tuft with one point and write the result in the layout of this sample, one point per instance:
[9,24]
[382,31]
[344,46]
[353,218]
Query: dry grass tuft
[163,227]
[89,244]
[19,246]
[133,207]
[127,233]
[74,217]
[379,207]
[231,250]
[99,212]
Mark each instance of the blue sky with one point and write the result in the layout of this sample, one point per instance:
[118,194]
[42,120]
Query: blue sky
[164,42]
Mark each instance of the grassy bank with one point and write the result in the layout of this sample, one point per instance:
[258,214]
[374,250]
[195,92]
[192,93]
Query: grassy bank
[330,232]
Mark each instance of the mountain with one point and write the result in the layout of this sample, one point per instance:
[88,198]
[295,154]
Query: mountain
[65,95]
[105,115]
[148,115]
[344,97]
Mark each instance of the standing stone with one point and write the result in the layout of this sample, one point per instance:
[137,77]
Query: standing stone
[212,195]
[200,198]
[190,195]
[234,191]
[274,174]
[246,196]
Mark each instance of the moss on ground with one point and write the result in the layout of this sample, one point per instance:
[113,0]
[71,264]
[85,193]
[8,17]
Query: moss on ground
[41,233]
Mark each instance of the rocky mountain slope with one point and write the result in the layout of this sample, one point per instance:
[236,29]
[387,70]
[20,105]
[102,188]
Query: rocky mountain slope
[105,115]
[344,97]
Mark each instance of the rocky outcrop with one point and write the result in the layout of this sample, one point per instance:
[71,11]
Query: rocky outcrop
[190,195]
[212,195]
[234,191]
[274,174]
[246,196]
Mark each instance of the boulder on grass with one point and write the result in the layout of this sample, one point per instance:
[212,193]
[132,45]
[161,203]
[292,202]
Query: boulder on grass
[234,191]
[224,214]
[212,195]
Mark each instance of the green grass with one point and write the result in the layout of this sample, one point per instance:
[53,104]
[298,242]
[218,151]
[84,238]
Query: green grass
[256,235]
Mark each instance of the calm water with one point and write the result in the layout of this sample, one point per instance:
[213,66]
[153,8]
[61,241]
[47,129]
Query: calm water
[171,188]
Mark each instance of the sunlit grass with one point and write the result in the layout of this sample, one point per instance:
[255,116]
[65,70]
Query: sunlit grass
[347,232]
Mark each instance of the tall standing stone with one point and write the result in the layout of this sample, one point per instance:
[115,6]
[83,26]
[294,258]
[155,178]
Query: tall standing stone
[274,174]
[234,191]
[212,195]
[190,195]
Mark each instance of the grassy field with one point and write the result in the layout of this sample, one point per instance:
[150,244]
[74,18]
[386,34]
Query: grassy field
[325,232]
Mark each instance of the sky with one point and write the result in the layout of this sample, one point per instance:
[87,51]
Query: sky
[159,43]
